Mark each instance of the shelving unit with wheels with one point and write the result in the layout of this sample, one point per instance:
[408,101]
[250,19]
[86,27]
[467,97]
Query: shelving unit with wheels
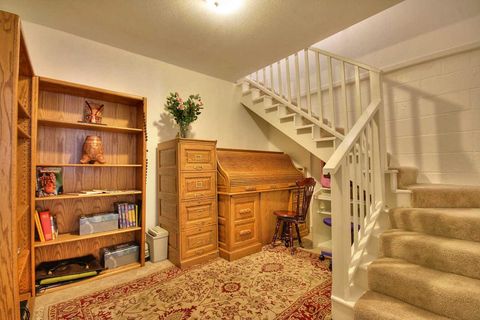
[323,209]
[58,142]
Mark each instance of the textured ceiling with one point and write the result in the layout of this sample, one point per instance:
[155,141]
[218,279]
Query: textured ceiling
[186,33]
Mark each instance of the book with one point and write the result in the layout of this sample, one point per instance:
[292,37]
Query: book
[49,181]
[131,215]
[46,225]
[38,226]
[136,215]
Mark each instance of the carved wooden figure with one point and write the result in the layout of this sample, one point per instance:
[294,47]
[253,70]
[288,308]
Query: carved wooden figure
[93,150]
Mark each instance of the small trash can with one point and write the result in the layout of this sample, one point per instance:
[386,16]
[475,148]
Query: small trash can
[157,239]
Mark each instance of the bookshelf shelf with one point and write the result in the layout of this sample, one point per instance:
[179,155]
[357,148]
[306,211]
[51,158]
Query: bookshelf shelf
[22,134]
[22,110]
[22,261]
[87,126]
[78,196]
[103,274]
[22,211]
[107,165]
[69,237]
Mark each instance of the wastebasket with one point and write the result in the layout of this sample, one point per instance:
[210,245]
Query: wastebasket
[157,239]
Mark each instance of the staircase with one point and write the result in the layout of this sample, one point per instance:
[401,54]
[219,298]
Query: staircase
[430,261]
[429,265]
[332,106]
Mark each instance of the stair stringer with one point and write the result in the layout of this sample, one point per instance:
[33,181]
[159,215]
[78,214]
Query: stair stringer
[268,109]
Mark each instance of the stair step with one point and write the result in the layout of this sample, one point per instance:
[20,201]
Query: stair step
[288,116]
[445,196]
[260,99]
[376,306]
[406,176]
[458,223]
[445,254]
[307,126]
[440,292]
[246,92]
[324,139]
[272,106]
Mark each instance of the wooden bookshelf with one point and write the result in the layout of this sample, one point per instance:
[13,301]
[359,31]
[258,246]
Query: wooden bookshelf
[58,142]
[86,126]
[70,237]
[89,165]
[103,274]
[22,110]
[97,195]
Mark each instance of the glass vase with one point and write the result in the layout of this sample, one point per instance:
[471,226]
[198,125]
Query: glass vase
[183,132]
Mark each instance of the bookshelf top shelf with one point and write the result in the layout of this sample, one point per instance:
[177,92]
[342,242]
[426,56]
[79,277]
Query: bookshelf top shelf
[98,195]
[87,126]
[75,89]
[96,165]
[70,237]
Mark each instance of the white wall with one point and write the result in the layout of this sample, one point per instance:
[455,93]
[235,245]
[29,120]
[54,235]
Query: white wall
[432,108]
[67,57]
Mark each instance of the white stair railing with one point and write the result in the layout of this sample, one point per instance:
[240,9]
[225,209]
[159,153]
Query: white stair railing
[327,90]
[343,98]
[358,196]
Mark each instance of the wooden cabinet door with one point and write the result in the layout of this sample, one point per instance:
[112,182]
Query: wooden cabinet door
[194,214]
[245,211]
[197,157]
[198,241]
[197,185]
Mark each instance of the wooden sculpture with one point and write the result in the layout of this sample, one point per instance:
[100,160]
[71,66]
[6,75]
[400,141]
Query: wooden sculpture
[93,150]
[93,112]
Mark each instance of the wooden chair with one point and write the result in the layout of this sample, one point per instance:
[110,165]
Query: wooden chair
[290,218]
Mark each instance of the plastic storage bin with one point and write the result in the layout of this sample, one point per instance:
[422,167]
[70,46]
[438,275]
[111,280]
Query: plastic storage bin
[157,239]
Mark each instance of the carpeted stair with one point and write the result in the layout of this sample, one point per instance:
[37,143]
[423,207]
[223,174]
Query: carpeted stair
[429,265]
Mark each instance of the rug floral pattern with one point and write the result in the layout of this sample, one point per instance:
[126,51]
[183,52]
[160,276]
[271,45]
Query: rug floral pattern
[270,284]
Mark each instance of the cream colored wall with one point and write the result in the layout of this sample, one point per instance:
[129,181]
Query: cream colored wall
[431,107]
[67,57]
[433,118]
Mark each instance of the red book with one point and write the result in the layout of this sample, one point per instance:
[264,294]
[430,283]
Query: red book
[46,224]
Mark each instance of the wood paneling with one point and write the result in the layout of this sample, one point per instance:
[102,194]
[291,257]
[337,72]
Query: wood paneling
[187,197]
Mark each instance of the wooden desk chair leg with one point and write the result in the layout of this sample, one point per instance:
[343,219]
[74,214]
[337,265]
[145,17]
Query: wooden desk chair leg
[298,235]
[277,227]
[290,234]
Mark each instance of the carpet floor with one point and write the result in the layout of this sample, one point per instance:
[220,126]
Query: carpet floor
[270,284]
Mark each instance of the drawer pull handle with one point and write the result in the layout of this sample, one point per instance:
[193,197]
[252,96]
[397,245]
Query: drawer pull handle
[198,195]
[245,232]
[198,156]
[199,184]
[198,167]
[273,186]
[250,188]
[244,211]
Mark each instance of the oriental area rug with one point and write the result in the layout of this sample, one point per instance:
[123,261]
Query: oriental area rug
[270,284]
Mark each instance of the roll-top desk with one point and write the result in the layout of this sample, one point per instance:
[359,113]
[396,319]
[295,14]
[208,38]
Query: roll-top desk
[251,185]
[188,199]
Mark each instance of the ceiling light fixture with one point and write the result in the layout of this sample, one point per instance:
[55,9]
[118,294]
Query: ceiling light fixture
[224,6]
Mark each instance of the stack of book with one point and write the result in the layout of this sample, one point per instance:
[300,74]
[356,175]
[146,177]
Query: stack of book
[127,214]
[46,225]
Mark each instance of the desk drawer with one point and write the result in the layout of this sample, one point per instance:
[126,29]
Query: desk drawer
[245,233]
[199,241]
[197,157]
[198,185]
[245,207]
[198,213]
